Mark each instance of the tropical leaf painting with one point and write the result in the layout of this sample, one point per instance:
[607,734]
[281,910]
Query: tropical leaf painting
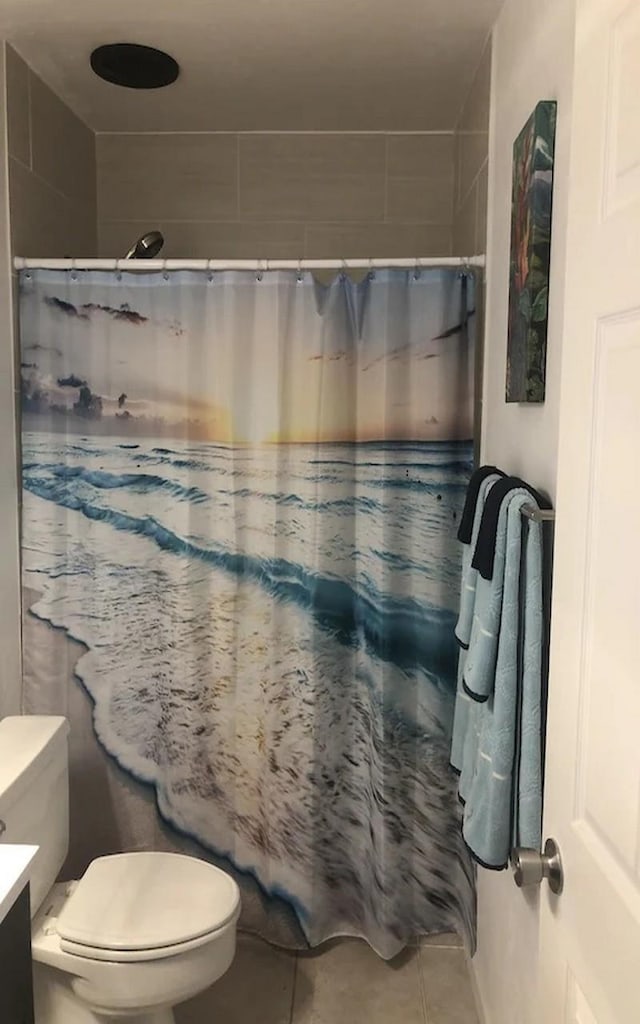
[531,202]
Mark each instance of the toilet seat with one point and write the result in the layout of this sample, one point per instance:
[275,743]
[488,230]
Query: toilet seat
[146,906]
[129,956]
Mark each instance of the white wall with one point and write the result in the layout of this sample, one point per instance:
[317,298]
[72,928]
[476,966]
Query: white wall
[532,60]
[10,671]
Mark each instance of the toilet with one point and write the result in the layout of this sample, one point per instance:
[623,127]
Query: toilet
[138,933]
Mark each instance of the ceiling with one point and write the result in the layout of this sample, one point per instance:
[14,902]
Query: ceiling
[263,65]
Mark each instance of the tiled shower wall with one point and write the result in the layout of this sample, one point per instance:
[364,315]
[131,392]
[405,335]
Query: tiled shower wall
[287,195]
[52,169]
[471,163]
[47,208]
[247,195]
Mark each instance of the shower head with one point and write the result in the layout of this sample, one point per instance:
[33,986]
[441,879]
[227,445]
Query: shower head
[147,246]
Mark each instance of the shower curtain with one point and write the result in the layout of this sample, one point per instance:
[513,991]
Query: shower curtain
[240,495]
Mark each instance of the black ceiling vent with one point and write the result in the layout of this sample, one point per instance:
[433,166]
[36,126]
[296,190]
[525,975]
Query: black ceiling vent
[134,66]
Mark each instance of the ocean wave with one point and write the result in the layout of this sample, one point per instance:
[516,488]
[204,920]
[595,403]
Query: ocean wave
[177,463]
[463,465]
[229,467]
[140,483]
[400,630]
[353,503]
[404,483]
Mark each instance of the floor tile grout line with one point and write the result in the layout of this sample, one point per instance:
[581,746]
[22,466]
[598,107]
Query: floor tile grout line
[293,988]
[423,994]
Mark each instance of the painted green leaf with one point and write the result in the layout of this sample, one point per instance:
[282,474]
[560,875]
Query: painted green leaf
[536,279]
[539,307]
[524,303]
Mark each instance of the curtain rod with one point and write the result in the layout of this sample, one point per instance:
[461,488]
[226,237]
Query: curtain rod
[464,262]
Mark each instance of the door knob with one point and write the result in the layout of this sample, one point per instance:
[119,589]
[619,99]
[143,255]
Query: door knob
[530,867]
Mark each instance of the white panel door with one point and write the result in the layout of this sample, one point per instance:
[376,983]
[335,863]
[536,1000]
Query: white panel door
[590,934]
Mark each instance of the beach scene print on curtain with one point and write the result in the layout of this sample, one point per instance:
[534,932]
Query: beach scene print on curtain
[240,505]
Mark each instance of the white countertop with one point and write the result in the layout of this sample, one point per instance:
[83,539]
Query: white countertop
[15,864]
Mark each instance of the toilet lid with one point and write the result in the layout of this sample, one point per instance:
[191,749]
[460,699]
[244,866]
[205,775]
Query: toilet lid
[140,901]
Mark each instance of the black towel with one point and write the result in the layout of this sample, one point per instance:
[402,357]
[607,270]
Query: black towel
[484,553]
[468,513]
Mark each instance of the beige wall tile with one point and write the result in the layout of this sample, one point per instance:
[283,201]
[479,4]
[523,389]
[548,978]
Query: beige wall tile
[482,186]
[475,112]
[18,130]
[312,177]
[208,239]
[167,177]
[45,223]
[464,226]
[420,178]
[62,147]
[472,154]
[456,172]
[321,196]
[334,241]
[472,133]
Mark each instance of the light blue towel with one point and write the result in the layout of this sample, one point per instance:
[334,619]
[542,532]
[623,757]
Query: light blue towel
[497,738]
[465,707]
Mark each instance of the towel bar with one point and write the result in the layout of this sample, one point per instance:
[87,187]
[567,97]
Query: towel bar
[539,515]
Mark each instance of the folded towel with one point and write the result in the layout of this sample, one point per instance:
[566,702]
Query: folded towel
[497,739]
[465,706]
[465,529]
[485,546]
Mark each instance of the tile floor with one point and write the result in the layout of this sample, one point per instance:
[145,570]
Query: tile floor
[343,983]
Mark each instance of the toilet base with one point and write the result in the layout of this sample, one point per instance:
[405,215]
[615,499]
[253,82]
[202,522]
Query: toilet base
[56,1003]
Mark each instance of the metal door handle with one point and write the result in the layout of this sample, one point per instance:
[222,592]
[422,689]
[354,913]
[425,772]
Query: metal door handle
[530,867]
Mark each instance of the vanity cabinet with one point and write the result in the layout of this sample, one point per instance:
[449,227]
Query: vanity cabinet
[16,988]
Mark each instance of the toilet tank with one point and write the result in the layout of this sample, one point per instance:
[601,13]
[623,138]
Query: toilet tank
[34,793]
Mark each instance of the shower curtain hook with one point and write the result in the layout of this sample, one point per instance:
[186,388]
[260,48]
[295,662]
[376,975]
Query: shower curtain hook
[416,269]
[258,270]
[164,270]
[73,274]
[300,274]
[209,270]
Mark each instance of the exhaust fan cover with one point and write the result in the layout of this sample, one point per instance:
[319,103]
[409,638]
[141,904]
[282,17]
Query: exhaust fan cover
[134,66]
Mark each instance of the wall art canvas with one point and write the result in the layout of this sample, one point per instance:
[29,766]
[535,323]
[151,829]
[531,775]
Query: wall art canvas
[531,205]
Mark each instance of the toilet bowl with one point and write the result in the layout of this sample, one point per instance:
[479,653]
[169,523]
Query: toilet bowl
[138,933]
